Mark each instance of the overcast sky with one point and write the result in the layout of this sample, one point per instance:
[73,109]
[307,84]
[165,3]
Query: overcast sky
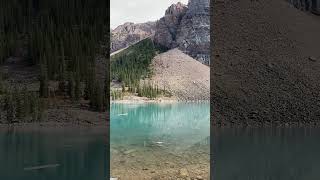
[138,11]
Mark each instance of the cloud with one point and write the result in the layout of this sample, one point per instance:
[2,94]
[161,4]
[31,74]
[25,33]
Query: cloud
[132,4]
[138,11]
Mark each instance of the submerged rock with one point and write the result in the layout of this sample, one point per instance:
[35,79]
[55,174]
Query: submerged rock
[129,151]
[184,172]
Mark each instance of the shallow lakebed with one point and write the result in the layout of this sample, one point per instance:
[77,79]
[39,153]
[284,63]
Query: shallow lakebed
[160,141]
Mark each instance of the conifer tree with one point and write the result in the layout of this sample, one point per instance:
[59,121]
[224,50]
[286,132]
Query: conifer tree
[1,84]
[77,87]
[98,97]
[9,107]
[107,87]
[71,86]
[34,106]
[18,104]
[41,109]
[26,102]
[44,86]
[63,67]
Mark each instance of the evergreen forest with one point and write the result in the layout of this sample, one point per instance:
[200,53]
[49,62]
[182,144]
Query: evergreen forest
[133,64]
[61,38]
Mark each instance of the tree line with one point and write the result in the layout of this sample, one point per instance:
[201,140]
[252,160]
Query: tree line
[132,65]
[62,38]
[20,105]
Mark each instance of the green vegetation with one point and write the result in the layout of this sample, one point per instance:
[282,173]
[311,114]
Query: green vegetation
[116,95]
[19,105]
[61,37]
[133,64]
[151,91]
[2,85]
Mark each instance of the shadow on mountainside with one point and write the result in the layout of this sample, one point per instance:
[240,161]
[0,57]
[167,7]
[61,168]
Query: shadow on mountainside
[265,67]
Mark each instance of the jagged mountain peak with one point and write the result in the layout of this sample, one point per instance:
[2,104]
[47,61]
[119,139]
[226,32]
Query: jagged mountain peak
[176,9]
[188,28]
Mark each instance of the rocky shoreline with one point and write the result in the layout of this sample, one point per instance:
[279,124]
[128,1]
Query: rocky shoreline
[65,118]
[57,127]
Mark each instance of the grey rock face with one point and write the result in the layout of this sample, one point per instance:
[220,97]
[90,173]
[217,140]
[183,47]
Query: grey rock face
[167,26]
[188,28]
[194,31]
[130,33]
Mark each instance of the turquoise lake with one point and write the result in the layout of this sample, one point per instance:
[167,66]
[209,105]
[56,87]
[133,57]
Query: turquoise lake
[51,154]
[158,140]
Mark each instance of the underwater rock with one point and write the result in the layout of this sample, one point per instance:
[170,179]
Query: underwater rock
[41,167]
[199,177]
[184,172]
[129,151]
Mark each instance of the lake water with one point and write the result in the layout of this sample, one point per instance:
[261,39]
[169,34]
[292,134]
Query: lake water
[266,154]
[68,154]
[160,141]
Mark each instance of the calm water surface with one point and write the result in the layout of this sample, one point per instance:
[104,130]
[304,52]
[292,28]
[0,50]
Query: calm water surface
[266,154]
[71,155]
[179,125]
[154,134]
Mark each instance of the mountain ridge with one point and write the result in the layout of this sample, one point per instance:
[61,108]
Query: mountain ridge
[130,33]
[186,27]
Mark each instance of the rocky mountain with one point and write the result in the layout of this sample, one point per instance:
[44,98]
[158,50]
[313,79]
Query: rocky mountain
[183,76]
[188,28]
[130,33]
[167,27]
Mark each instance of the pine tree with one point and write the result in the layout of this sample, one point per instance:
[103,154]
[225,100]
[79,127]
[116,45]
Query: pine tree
[44,86]
[107,87]
[71,87]
[123,87]
[90,84]
[63,67]
[77,87]
[26,102]
[99,97]
[62,87]
[18,104]
[9,107]
[34,106]
[41,109]
[1,84]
